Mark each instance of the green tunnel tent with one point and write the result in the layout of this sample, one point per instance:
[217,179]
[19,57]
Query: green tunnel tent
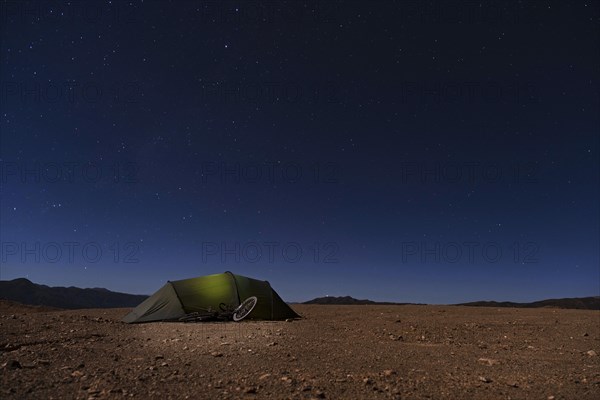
[178,298]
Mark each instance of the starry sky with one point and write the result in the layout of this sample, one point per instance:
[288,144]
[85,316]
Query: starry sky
[409,151]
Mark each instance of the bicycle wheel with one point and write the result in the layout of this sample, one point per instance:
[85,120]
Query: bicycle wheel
[244,309]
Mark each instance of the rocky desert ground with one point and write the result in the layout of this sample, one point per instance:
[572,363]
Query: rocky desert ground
[334,352]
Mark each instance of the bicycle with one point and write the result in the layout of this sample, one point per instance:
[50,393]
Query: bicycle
[225,313]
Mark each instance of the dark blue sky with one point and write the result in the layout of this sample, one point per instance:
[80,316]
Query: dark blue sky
[401,151]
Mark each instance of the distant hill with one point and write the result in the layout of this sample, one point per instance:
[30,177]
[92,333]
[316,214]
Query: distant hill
[26,292]
[346,300]
[580,303]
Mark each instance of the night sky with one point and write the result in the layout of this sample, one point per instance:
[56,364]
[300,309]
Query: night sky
[400,151]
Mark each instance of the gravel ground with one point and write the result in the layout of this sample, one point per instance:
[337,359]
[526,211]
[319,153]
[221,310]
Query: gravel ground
[334,352]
